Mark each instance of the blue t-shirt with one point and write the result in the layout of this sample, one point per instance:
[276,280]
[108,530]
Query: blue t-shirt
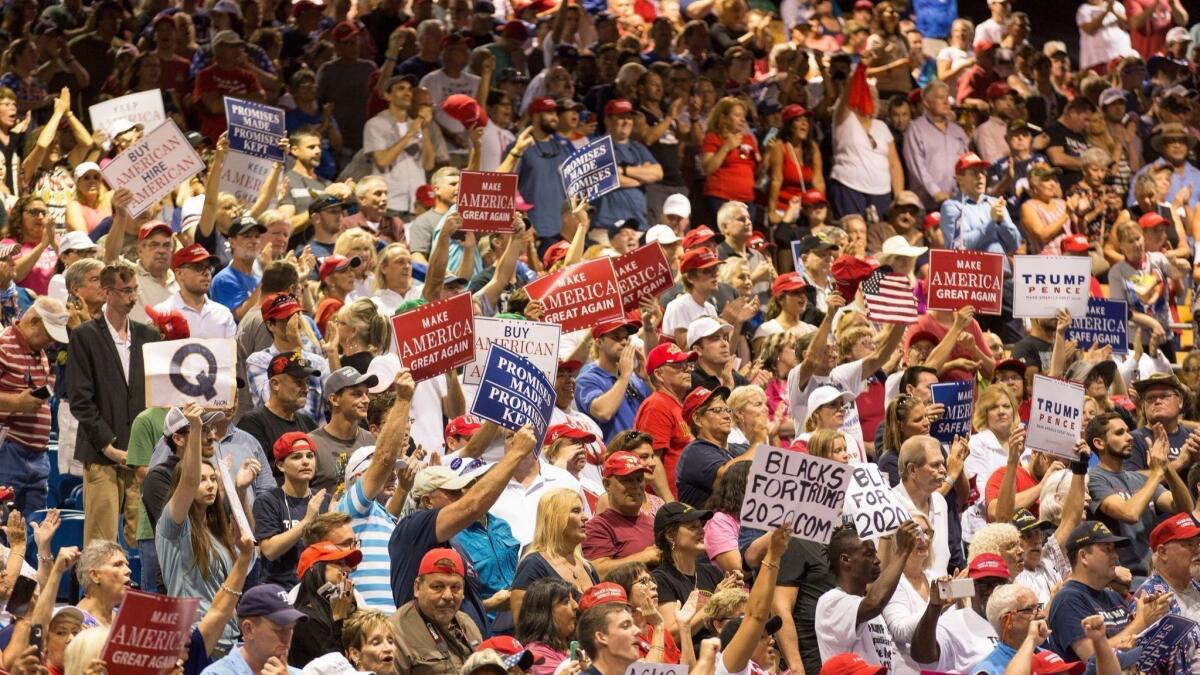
[935,16]
[697,471]
[540,183]
[593,382]
[1073,603]
[231,287]
[413,537]
[625,203]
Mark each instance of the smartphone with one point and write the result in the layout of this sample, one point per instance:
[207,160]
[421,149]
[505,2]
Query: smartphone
[771,134]
[574,651]
[35,638]
[956,589]
[41,392]
[327,591]
[22,595]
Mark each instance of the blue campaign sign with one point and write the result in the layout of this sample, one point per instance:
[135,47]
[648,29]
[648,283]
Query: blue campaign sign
[959,399]
[1160,642]
[255,128]
[591,171]
[1106,323]
[513,392]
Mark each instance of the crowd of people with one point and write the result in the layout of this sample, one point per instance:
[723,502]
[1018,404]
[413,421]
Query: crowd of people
[338,515]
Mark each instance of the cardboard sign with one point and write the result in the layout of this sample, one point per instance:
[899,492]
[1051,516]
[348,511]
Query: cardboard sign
[1160,642]
[579,296]
[959,399]
[642,273]
[149,633]
[255,128]
[785,485]
[536,341]
[648,668]
[871,505]
[1106,323]
[179,371]
[487,200]
[225,473]
[591,171]
[153,167]
[436,337]
[1044,284]
[958,278]
[144,107]
[514,392]
[244,176]
[1054,417]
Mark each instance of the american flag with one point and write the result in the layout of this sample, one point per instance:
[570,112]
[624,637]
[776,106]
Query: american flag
[889,297]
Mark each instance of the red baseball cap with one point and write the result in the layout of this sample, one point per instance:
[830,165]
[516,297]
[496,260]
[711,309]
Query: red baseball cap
[558,431]
[914,96]
[601,593]
[622,463]
[462,426]
[441,561]
[286,444]
[571,365]
[188,255]
[698,397]
[465,110]
[555,252]
[1075,243]
[793,110]
[151,227]
[850,272]
[758,242]
[983,46]
[327,551]
[337,263]
[279,306]
[790,281]
[698,259]
[850,663]
[1151,220]
[618,106]
[667,352]
[171,323]
[1046,661]
[345,30]
[970,160]
[699,235]
[1179,527]
[515,30]
[864,4]
[425,195]
[812,198]
[542,105]
[454,40]
[630,320]
[988,565]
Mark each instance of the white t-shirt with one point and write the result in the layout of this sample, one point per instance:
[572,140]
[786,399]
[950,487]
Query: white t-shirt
[491,149]
[902,614]
[857,163]
[1041,580]
[988,30]
[846,377]
[1107,43]
[956,57]
[987,455]
[939,520]
[425,415]
[965,639]
[838,630]
[442,86]
[683,310]
[405,174]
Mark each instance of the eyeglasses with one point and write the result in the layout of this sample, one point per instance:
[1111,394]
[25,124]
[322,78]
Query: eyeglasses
[644,581]
[198,268]
[128,290]
[37,213]
[720,411]
[1030,610]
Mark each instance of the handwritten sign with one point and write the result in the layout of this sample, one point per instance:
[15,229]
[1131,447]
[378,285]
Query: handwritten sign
[1043,284]
[144,108]
[244,176]
[1054,416]
[1106,323]
[648,668]
[255,128]
[179,371]
[579,296]
[958,278]
[149,633]
[871,505]
[642,273]
[154,166]
[591,171]
[959,399]
[536,341]
[487,200]
[436,337]
[514,392]
[787,486]
[1159,643]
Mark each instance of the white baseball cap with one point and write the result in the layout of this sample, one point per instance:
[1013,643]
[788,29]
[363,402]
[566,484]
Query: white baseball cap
[1178,34]
[677,205]
[663,234]
[704,327]
[85,167]
[75,241]
[899,246]
[55,322]
[385,367]
[824,395]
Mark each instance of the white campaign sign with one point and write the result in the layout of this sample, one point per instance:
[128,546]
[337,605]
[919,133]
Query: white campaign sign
[1054,417]
[244,176]
[153,167]
[536,341]
[179,371]
[144,107]
[1044,284]
[648,668]
[871,505]
[788,486]
[231,493]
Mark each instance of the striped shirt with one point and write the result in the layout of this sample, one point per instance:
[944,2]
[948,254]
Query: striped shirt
[21,369]
[373,526]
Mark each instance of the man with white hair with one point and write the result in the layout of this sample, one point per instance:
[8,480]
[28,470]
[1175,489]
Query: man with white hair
[26,382]
[372,195]
[733,220]
[922,472]
[932,143]
[1015,613]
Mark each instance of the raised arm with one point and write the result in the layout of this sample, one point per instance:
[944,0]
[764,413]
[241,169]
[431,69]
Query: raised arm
[879,593]
[212,188]
[483,493]
[737,653]
[189,467]
[392,438]
[213,622]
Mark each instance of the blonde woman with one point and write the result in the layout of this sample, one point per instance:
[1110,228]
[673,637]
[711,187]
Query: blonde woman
[358,243]
[1046,217]
[959,55]
[995,419]
[555,550]
[363,333]
[393,282]
[748,405]
[729,156]
[82,656]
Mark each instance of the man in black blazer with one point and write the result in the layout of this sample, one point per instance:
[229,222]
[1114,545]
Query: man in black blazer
[105,369]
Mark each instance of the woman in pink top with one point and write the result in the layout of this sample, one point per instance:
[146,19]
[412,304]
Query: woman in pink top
[29,227]
[1149,21]
[721,531]
[547,623]
[91,203]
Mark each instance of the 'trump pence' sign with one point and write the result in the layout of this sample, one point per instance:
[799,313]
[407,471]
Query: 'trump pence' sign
[871,505]
[154,166]
[579,296]
[149,633]
[536,341]
[591,171]
[513,392]
[255,128]
[1054,416]
[1043,284]
[197,370]
[486,200]
[958,278]
[436,337]
[789,486]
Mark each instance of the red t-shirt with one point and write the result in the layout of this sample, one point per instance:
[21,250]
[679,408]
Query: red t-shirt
[1153,36]
[1024,482]
[612,535]
[235,82]
[734,179]
[871,410]
[670,649]
[662,417]
[173,74]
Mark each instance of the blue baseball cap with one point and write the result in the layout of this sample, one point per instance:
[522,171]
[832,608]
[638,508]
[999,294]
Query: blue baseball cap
[270,601]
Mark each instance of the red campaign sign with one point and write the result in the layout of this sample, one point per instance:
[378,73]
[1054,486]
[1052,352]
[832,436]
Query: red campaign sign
[960,278]
[149,633]
[579,296]
[436,337]
[642,273]
[486,200]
